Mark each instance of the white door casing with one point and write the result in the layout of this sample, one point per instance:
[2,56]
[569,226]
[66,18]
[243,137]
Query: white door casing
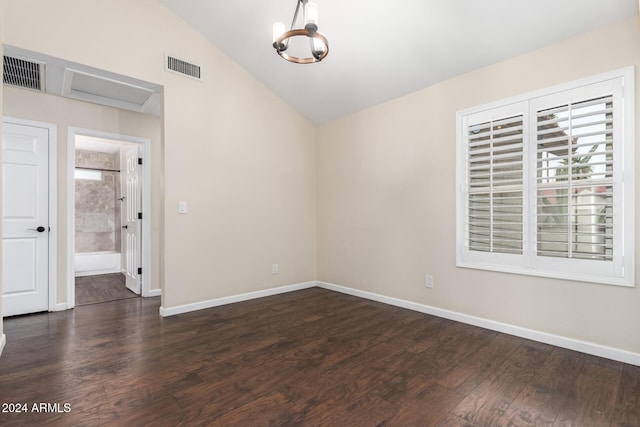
[25,239]
[131,223]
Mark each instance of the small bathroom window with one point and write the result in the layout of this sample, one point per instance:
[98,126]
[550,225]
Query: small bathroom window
[88,174]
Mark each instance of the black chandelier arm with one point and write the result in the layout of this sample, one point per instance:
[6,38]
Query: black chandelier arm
[295,15]
[284,44]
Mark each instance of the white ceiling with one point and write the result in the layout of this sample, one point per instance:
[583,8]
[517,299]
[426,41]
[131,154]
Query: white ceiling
[382,49]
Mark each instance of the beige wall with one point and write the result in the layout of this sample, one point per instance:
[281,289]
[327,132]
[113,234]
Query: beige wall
[242,159]
[386,200]
[65,113]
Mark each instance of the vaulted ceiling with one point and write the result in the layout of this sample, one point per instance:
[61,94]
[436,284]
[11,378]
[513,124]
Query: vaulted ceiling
[383,49]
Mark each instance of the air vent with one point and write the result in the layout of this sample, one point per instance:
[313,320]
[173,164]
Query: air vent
[184,68]
[23,73]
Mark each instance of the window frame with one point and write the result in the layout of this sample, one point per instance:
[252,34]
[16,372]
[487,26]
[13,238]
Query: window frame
[620,271]
[87,174]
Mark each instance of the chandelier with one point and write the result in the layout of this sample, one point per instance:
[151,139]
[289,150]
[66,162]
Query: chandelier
[317,41]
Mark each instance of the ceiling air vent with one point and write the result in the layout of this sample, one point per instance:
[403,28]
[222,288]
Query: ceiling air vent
[185,68]
[23,73]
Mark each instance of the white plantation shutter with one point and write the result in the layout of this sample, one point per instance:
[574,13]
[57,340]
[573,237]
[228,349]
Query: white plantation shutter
[546,183]
[575,188]
[495,197]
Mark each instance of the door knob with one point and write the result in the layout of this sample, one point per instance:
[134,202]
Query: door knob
[39,229]
[125,226]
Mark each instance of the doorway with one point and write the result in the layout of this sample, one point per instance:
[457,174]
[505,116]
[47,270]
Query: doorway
[108,216]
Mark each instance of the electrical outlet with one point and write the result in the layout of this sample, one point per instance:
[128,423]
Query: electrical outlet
[274,269]
[428,281]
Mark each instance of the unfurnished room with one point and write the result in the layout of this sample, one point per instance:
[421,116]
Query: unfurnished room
[320,213]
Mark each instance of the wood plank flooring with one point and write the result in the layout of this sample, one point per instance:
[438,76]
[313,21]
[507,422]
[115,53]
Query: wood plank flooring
[308,358]
[101,288]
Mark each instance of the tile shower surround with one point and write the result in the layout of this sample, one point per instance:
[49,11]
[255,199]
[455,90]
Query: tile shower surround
[97,208]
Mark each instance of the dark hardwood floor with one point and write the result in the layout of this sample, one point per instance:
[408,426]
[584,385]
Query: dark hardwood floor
[312,357]
[101,288]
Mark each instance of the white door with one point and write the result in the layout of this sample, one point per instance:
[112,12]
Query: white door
[25,219]
[131,223]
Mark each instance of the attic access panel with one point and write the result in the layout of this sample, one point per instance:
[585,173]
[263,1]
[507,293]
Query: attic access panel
[101,90]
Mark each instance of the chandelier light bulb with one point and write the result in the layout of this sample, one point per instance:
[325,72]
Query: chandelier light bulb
[311,16]
[318,46]
[278,30]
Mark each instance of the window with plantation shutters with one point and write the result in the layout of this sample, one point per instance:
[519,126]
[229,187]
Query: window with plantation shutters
[546,182]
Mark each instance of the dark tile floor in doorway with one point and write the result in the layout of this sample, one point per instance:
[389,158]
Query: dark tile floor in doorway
[101,288]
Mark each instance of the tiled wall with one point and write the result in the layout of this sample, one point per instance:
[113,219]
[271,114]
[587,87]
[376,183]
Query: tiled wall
[97,208]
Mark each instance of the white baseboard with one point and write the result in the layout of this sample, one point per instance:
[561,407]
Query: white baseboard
[171,311]
[3,341]
[154,293]
[557,340]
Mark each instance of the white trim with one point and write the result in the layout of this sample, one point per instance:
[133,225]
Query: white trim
[629,190]
[71,221]
[146,218]
[3,342]
[52,250]
[556,340]
[61,307]
[73,132]
[53,216]
[577,277]
[201,305]
[154,293]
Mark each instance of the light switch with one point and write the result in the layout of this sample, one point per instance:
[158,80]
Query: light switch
[182,207]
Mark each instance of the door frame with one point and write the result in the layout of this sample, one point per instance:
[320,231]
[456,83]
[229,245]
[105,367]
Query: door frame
[52,188]
[145,187]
